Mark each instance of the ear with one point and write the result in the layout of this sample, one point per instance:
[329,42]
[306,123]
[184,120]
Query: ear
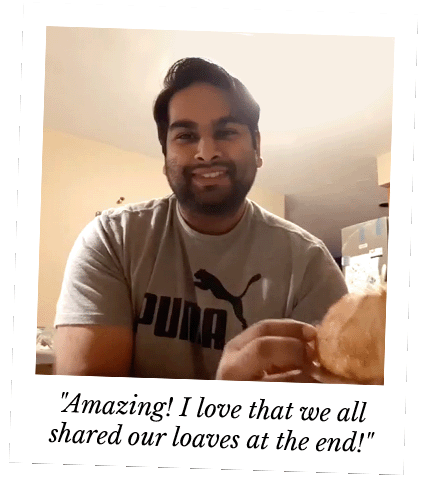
[258,150]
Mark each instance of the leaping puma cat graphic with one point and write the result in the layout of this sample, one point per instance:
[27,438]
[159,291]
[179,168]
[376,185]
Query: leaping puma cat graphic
[208,281]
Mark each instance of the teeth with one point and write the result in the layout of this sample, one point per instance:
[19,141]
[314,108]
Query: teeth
[213,174]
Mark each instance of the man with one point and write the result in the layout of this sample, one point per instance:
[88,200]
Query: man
[158,289]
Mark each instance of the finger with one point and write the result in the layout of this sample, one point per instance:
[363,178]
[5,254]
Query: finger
[273,327]
[325,377]
[298,376]
[264,354]
[311,351]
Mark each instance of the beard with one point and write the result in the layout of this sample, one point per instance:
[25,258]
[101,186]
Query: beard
[208,202]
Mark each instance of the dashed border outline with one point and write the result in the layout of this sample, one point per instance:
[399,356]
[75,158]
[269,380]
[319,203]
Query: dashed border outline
[209,468]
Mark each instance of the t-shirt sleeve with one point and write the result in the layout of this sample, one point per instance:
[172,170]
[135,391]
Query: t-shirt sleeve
[94,289]
[322,285]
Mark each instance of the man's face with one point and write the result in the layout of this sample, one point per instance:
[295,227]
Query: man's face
[211,162]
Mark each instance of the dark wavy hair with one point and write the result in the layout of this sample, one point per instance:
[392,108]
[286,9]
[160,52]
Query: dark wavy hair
[188,71]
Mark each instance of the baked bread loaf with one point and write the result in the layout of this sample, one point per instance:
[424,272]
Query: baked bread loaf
[351,338]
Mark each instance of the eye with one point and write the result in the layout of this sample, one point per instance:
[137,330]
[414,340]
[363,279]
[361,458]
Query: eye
[185,136]
[226,133]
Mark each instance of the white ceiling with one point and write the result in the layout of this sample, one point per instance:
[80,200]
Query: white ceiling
[326,107]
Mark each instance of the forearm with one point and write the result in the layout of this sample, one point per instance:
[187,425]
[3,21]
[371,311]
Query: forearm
[93,351]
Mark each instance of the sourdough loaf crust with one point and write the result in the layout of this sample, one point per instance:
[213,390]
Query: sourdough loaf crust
[351,338]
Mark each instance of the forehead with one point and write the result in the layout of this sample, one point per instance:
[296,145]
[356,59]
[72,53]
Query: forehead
[201,103]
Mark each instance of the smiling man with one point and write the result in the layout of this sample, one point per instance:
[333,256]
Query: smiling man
[223,161]
[203,283]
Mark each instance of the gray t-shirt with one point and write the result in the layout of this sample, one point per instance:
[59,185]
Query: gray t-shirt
[186,294]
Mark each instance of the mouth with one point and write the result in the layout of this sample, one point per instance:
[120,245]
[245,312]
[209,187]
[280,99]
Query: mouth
[211,171]
[210,176]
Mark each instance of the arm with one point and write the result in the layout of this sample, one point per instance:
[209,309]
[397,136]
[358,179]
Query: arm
[94,312]
[320,285]
[93,350]
[279,349]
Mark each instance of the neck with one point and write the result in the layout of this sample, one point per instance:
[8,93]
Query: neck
[212,225]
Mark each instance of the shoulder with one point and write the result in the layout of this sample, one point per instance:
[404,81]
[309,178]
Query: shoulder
[145,213]
[274,225]
[115,226]
[138,210]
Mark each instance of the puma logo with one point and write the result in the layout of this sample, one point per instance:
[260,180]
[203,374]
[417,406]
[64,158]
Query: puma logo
[207,281]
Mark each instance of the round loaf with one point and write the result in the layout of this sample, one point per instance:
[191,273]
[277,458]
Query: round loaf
[351,338]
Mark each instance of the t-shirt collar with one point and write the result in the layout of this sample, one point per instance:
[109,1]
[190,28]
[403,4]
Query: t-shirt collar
[215,238]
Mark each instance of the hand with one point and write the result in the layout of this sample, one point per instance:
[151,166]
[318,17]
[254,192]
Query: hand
[270,350]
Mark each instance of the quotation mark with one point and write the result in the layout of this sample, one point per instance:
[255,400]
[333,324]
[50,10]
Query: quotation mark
[64,395]
[370,435]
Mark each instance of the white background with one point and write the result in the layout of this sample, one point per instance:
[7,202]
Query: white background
[33,403]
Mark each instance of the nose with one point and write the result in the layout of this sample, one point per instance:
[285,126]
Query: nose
[207,150]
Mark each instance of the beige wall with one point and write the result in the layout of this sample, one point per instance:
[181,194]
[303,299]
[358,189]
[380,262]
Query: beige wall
[270,200]
[80,177]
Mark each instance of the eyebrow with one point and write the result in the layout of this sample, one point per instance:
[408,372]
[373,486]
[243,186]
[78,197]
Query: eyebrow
[187,123]
[183,123]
